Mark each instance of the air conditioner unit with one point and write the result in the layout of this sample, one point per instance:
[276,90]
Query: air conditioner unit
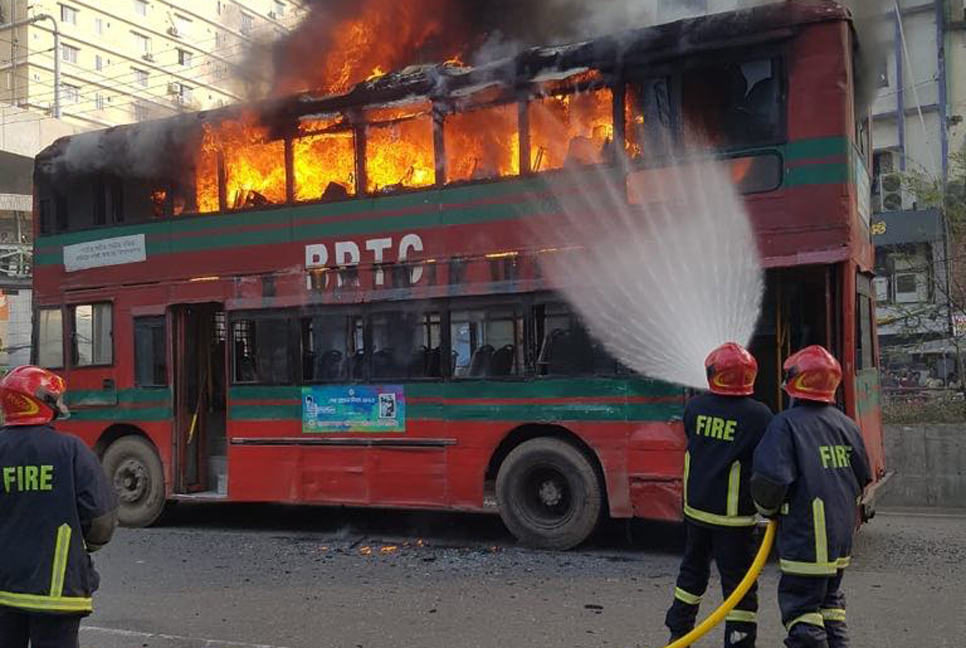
[173,89]
[894,194]
[173,31]
[148,57]
[881,285]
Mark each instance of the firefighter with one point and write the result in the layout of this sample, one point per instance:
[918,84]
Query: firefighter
[810,471]
[723,427]
[57,505]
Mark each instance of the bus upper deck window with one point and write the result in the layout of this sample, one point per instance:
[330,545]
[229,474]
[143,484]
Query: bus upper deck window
[732,104]
[647,115]
[571,129]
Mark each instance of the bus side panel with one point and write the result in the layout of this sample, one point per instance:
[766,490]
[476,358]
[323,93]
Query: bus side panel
[655,461]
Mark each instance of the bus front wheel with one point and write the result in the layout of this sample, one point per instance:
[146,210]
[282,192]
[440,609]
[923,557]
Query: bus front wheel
[548,494]
[135,470]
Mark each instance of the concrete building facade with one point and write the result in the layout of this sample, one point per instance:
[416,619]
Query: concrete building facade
[123,61]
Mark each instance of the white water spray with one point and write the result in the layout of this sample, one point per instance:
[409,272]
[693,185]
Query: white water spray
[662,269]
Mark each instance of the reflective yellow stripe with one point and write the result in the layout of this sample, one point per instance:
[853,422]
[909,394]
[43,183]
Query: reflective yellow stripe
[687,472]
[814,618]
[743,616]
[784,509]
[814,569]
[821,537]
[59,569]
[834,614]
[734,486]
[39,603]
[720,520]
[685,596]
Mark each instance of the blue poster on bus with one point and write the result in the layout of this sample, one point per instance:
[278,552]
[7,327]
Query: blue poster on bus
[353,408]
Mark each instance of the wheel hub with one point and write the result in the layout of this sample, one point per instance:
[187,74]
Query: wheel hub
[130,481]
[550,493]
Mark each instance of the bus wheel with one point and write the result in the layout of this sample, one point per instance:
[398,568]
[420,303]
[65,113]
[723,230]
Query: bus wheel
[548,493]
[134,468]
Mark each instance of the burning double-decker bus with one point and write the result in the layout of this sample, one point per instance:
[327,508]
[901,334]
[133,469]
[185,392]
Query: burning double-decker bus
[335,299]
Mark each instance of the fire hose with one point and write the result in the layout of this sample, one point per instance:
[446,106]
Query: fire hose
[718,615]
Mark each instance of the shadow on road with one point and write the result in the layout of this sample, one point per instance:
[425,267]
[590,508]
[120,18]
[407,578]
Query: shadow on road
[437,528]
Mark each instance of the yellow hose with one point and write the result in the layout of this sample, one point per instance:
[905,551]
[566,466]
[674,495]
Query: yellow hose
[729,604]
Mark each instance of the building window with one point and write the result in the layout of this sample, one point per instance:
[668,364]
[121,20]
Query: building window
[139,111]
[183,92]
[141,7]
[220,7]
[882,73]
[247,23]
[182,26]
[99,26]
[99,101]
[141,77]
[68,15]
[68,53]
[92,340]
[184,58]
[98,62]
[150,359]
[279,9]
[50,338]
[142,43]
[70,94]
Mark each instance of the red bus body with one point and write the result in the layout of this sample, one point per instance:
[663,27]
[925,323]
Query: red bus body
[812,230]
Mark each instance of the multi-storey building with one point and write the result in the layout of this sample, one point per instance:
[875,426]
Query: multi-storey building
[129,60]
[917,125]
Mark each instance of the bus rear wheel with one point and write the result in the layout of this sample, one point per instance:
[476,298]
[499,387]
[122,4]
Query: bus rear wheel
[134,468]
[549,494]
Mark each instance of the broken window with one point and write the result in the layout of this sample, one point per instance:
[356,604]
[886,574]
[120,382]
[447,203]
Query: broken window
[732,104]
[324,163]
[487,342]
[399,148]
[406,344]
[574,128]
[482,143]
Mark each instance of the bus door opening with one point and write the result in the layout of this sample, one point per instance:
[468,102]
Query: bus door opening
[200,399]
[798,309]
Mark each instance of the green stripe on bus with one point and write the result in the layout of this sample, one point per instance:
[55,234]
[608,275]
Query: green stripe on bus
[812,174]
[122,414]
[820,147]
[161,395]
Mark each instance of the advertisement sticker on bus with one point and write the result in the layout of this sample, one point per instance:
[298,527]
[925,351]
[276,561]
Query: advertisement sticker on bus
[357,408]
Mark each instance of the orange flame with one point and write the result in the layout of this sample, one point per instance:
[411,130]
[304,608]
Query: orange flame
[482,144]
[399,153]
[570,128]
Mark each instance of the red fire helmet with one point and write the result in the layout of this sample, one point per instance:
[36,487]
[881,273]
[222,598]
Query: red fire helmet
[731,370]
[812,374]
[32,396]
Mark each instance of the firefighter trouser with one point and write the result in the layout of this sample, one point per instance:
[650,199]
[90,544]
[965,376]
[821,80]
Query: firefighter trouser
[733,550]
[17,629]
[813,611]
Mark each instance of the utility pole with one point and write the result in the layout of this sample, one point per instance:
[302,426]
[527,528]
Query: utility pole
[35,19]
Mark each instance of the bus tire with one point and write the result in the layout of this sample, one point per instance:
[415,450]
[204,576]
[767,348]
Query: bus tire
[548,494]
[134,468]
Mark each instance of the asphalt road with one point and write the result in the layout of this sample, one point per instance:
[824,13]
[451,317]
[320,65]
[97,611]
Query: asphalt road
[283,577]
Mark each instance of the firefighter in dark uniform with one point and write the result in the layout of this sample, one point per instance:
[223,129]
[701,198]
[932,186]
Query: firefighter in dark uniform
[810,471]
[56,506]
[723,428]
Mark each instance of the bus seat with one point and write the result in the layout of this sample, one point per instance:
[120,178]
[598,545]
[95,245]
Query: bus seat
[481,361]
[419,363]
[357,365]
[329,365]
[434,363]
[383,364]
[502,363]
